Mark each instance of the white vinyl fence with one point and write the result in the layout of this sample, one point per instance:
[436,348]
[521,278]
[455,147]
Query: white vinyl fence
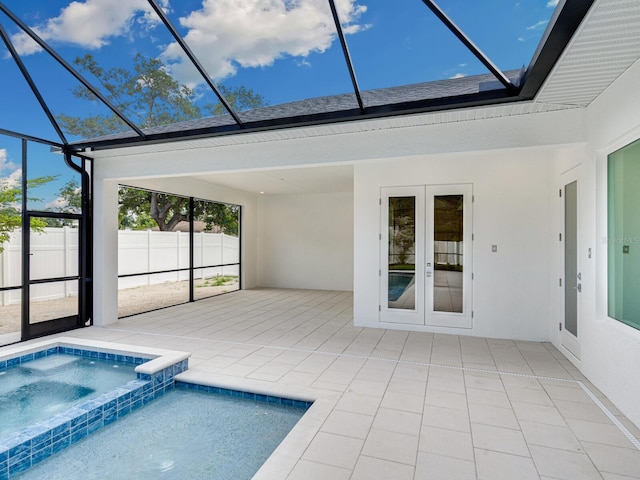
[55,254]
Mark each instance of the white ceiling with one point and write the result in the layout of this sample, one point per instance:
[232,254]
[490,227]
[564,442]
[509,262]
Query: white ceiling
[331,179]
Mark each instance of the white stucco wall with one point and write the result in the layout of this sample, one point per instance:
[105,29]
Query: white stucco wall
[512,193]
[610,349]
[306,241]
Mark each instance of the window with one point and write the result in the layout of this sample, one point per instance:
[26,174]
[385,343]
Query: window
[624,235]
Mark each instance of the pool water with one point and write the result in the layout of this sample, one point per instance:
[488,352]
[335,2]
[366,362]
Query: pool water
[398,283]
[39,389]
[185,434]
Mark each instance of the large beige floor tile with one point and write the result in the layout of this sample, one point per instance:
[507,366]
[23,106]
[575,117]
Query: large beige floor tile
[306,470]
[501,466]
[499,439]
[369,468]
[449,418]
[563,464]
[449,443]
[392,446]
[336,450]
[438,467]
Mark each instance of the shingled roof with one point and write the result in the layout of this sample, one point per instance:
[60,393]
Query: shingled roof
[344,106]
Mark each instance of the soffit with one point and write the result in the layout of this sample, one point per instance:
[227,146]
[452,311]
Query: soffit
[439,118]
[605,46]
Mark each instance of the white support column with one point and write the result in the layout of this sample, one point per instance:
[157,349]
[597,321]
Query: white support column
[149,256]
[105,254]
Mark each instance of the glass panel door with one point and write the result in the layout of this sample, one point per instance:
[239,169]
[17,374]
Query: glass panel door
[571,275]
[402,237]
[448,256]
[54,274]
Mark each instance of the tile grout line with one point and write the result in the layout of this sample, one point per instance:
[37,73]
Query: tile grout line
[611,416]
[605,410]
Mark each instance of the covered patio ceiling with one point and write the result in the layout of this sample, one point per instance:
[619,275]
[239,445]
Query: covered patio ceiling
[343,99]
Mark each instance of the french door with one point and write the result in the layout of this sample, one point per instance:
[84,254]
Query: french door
[426,255]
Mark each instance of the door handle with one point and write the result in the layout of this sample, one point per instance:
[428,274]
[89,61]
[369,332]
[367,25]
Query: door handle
[578,287]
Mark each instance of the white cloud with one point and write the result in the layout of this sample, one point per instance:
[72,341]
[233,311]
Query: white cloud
[459,75]
[552,3]
[5,163]
[13,179]
[540,24]
[229,34]
[89,24]
[58,203]
[522,39]
[224,34]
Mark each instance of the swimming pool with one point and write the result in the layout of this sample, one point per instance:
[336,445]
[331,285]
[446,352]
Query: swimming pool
[193,432]
[155,371]
[159,372]
[398,283]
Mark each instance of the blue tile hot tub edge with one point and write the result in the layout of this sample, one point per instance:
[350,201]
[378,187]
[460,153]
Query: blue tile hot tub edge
[33,444]
[246,395]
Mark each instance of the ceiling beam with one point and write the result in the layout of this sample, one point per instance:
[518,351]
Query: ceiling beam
[69,68]
[32,85]
[470,45]
[566,19]
[347,55]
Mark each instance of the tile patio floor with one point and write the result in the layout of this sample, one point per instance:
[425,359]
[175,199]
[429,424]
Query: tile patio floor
[392,404]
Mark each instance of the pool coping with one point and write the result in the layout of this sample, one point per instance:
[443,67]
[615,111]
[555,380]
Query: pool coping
[155,369]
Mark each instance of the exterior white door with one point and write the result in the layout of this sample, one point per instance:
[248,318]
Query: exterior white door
[571,276]
[426,255]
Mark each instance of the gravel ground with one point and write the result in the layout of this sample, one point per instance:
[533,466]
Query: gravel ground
[130,301]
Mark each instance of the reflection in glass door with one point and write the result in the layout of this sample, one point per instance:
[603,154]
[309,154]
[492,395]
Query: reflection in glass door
[448,256]
[402,281]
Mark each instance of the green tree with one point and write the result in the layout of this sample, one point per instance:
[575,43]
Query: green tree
[150,96]
[138,207]
[240,98]
[10,213]
[142,209]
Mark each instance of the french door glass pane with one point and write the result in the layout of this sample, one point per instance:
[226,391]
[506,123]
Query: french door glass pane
[571,258]
[448,250]
[401,261]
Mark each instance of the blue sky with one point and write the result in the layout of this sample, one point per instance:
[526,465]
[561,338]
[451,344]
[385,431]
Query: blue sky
[286,50]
